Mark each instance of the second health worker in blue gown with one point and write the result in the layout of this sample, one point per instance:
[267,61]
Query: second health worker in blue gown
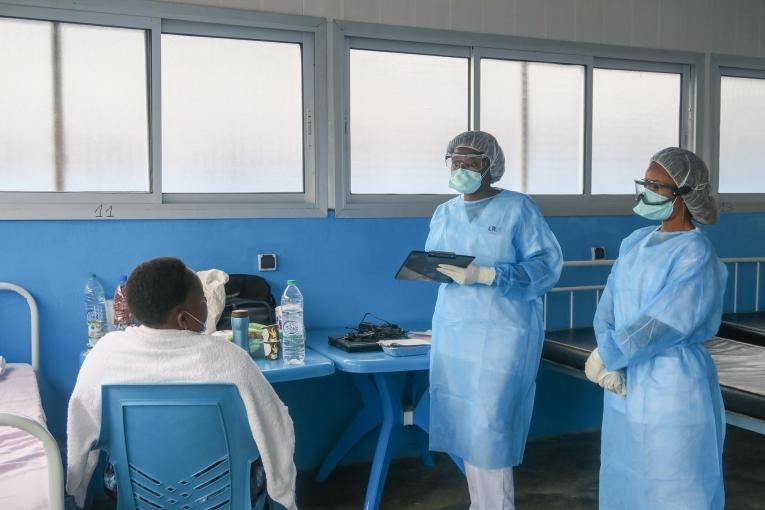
[663,418]
[488,324]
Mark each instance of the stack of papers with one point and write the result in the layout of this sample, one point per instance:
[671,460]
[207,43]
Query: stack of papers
[404,342]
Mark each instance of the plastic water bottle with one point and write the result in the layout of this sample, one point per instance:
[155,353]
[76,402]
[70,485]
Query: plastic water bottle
[122,316]
[293,342]
[95,310]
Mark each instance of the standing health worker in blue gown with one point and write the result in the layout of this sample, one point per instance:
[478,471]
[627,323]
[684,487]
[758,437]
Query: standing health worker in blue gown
[487,324]
[663,420]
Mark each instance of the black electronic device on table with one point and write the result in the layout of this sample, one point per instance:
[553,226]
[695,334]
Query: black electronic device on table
[364,338]
[422,265]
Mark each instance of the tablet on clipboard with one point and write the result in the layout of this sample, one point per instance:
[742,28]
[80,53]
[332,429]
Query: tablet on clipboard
[421,265]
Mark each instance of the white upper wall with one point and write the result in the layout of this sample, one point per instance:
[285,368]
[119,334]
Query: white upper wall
[720,26]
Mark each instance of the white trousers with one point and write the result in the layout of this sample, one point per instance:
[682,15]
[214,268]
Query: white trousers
[490,489]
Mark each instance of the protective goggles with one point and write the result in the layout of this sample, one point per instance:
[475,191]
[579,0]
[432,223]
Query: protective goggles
[473,162]
[644,184]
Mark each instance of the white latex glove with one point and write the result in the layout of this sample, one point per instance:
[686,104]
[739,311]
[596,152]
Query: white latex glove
[468,275]
[609,380]
[614,381]
[594,367]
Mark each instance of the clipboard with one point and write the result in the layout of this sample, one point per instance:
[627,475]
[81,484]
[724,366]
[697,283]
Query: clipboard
[421,265]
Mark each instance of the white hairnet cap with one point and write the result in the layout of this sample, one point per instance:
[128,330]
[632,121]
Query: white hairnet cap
[486,144]
[687,169]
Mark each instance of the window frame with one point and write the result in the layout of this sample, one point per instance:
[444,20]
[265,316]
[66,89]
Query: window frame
[736,67]
[689,64]
[376,204]
[686,139]
[544,58]
[157,19]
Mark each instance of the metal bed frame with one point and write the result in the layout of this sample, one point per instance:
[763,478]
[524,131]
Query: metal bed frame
[732,418]
[52,453]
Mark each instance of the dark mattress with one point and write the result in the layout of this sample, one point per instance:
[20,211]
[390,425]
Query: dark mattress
[744,327]
[740,365]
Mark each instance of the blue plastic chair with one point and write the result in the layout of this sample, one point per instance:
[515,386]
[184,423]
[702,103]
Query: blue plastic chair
[179,446]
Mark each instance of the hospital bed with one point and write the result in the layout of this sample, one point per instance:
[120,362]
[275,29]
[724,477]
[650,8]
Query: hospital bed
[748,326]
[30,459]
[740,364]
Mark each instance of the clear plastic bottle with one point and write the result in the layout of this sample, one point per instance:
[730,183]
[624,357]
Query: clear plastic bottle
[122,316]
[293,341]
[95,310]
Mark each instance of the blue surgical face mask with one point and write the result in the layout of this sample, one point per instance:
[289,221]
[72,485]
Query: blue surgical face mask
[659,209]
[466,181]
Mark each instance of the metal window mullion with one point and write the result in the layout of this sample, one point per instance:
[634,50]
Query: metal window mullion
[56,205]
[59,145]
[685,112]
[735,72]
[319,94]
[414,48]
[85,17]
[628,64]
[545,313]
[588,108]
[475,89]
[309,119]
[206,29]
[715,88]
[155,110]
[343,71]
[534,56]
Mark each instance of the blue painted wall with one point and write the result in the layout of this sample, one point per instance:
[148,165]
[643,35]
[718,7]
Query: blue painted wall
[344,267]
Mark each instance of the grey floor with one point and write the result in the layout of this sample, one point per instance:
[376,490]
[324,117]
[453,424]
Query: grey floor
[559,473]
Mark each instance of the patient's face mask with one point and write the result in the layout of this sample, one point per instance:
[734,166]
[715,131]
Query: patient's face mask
[653,206]
[201,324]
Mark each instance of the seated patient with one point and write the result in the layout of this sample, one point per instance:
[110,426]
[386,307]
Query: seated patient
[167,299]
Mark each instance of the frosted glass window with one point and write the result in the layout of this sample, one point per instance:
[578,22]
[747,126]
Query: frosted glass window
[404,110]
[77,97]
[635,114]
[742,135]
[536,112]
[231,116]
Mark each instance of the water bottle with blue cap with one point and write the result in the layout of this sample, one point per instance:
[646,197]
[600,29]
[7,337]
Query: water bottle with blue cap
[293,329]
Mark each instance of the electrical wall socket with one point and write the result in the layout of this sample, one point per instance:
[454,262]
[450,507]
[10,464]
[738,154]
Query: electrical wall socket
[598,253]
[266,262]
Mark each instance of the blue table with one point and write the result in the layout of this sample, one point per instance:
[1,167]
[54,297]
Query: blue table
[374,375]
[278,370]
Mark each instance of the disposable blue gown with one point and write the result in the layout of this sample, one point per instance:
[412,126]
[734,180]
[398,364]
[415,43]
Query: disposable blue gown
[487,340]
[662,444]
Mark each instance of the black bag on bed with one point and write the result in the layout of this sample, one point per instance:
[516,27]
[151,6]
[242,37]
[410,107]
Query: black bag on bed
[248,292]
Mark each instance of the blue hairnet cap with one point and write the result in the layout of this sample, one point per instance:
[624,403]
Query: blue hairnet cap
[484,143]
[687,169]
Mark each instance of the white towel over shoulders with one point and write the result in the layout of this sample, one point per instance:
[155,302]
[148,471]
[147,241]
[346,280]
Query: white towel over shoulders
[145,355]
